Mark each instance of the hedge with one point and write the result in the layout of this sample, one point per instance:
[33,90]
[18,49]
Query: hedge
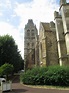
[52,75]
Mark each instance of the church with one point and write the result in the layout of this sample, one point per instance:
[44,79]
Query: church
[51,46]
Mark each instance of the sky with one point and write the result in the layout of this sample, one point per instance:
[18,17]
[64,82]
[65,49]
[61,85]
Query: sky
[14,15]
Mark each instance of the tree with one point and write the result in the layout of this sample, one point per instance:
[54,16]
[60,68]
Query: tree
[6,69]
[9,52]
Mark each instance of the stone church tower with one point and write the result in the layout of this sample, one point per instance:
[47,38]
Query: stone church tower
[30,34]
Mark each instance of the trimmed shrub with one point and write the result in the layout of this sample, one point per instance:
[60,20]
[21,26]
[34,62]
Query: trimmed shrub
[52,75]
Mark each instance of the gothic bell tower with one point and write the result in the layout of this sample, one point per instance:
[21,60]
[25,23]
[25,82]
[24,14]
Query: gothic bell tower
[30,34]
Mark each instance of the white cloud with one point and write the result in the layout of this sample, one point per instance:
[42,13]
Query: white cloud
[8,3]
[1,13]
[6,28]
[38,10]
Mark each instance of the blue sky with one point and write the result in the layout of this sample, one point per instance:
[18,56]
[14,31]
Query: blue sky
[14,14]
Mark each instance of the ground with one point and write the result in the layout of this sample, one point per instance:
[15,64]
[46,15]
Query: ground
[17,87]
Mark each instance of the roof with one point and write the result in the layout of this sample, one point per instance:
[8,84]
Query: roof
[46,26]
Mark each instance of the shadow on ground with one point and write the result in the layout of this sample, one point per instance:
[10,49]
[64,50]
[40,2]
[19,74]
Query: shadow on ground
[16,91]
[19,90]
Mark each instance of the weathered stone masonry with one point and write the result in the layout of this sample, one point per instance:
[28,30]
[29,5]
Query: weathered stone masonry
[51,46]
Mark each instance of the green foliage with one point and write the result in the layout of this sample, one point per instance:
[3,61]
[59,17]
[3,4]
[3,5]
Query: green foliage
[9,53]
[53,75]
[32,76]
[6,69]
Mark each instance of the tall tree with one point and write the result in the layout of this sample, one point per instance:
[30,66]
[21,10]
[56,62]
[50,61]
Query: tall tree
[9,52]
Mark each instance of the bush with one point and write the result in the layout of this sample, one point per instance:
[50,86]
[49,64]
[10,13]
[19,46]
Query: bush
[53,75]
[6,69]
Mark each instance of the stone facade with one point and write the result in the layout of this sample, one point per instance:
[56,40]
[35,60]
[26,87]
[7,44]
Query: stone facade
[37,51]
[62,32]
[48,53]
[30,60]
[30,34]
[51,47]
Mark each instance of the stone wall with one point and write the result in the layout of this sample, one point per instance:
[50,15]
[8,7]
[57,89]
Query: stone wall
[48,51]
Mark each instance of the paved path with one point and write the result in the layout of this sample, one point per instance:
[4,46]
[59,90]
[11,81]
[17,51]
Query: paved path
[20,88]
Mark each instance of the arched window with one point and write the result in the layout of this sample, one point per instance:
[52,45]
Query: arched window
[28,30]
[32,44]
[32,34]
[32,30]
[28,44]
